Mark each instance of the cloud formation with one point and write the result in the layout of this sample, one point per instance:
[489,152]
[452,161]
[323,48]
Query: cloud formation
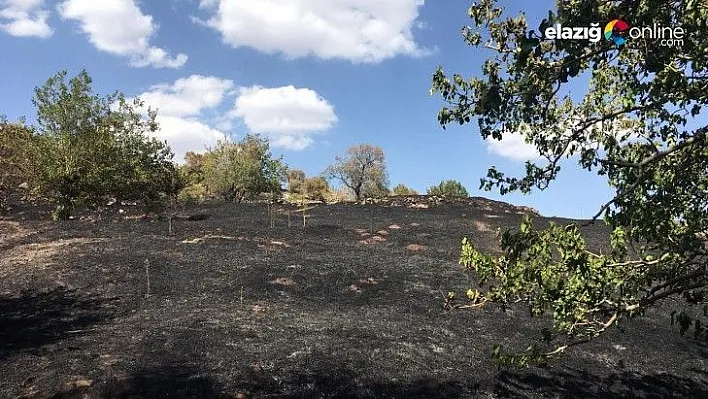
[119,27]
[513,146]
[25,18]
[367,31]
[190,118]
[181,107]
[288,115]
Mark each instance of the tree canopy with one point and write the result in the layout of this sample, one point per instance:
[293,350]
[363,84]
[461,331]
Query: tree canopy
[235,170]
[91,148]
[17,159]
[449,188]
[640,125]
[363,170]
[403,190]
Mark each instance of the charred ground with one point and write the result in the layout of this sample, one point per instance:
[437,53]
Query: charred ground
[349,306]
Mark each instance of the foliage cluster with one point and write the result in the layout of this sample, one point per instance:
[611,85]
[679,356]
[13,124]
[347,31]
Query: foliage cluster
[640,125]
[362,170]
[449,188]
[87,149]
[237,170]
[402,190]
[301,187]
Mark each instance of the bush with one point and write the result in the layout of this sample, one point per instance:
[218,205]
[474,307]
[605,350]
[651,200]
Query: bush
[315,188]
[296,178]
[402,190]
[236,170]
[193,194]
[449,188]
[17,159]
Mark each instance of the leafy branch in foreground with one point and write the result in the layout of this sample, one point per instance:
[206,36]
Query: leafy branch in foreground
[640,125]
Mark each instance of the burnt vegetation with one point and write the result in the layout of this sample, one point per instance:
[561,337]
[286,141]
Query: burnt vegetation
[125,274]
[351,305]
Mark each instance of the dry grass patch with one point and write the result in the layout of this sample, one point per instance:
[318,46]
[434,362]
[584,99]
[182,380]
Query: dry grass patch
[483,227]
[362,282]
[372,240]
[259,307]
[382,232]
[415,247]
[212,237]
[38,254]
[394,227]
[284,281]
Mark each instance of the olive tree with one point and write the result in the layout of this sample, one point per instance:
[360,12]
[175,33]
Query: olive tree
[363,170]
[94,147]
[449,188]
[296,179]
[403,190]
[235,170]
[640,125]
[17,158]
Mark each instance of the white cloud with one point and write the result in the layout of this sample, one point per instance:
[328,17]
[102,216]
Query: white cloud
[513,146]
[356,30]
[188,96]
[288,115]
[25,18]
[119,27]
[190,119]
[186,134]
[293,142]
[181,106]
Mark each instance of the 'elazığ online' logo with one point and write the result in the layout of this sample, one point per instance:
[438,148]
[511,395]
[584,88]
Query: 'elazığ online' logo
[618,31]
[615,29]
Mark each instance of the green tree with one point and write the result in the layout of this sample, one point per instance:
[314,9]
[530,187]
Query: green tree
[236,170]
[193,169]
[449,188]
[94,147]
[403,190]
[296,178]
[641,125]
[363,170]
[315,188]
[17,159]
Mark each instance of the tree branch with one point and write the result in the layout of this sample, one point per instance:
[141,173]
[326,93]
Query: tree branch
[650,301]
[675,280]
[697,137]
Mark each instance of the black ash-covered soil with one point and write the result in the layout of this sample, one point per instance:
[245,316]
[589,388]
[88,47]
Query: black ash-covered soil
[349,306]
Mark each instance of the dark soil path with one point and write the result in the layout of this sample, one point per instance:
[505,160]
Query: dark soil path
[349,306]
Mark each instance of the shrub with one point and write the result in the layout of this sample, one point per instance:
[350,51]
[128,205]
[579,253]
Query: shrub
[449,188]
[236,170]
[296,178]
[403,190]
[315,188]
[193,194]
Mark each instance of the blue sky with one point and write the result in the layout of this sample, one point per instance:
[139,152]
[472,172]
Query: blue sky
[316,75]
